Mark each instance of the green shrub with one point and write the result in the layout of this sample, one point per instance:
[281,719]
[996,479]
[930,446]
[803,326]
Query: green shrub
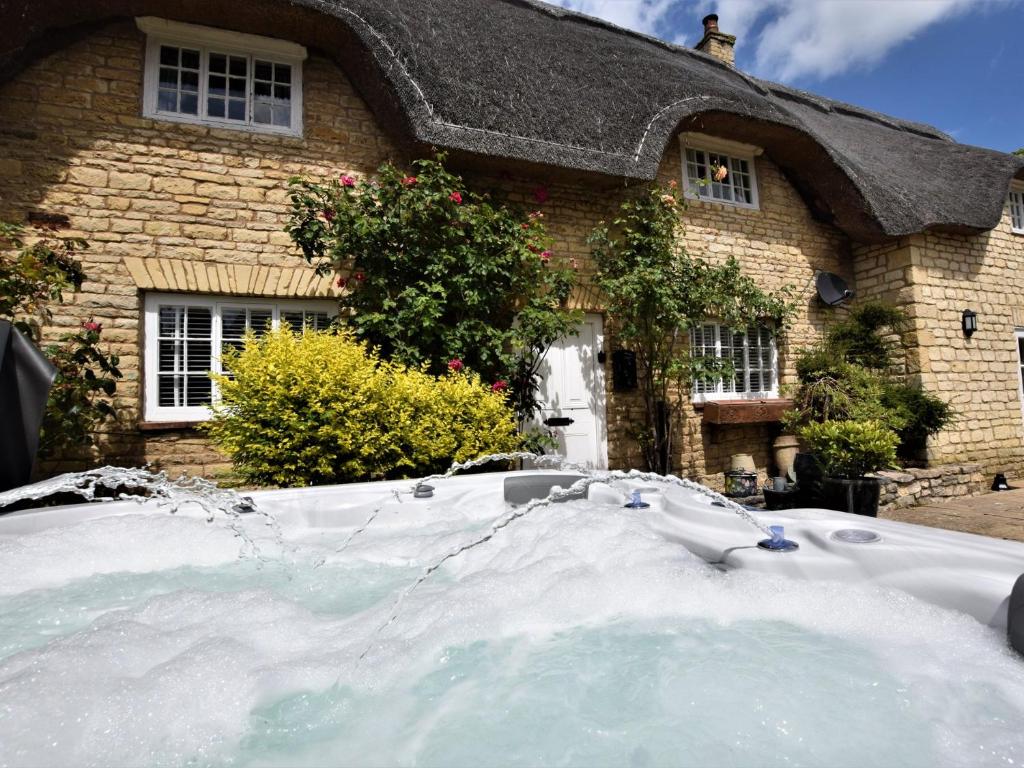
[834,390]
[851,448]
[434,270]
[318,407]
[915,415]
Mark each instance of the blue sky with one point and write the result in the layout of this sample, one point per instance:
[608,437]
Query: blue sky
[955,64]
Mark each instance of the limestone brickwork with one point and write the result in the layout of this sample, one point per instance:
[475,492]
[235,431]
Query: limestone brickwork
[165,206]
[934,277]
[178,207]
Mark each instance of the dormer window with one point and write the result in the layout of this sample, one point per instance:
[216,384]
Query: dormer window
[720,171]
[225,79]
[1017,208]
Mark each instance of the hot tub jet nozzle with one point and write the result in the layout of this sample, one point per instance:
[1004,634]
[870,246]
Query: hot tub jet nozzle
[778,542]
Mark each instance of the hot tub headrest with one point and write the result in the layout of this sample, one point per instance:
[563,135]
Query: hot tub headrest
[1015,616]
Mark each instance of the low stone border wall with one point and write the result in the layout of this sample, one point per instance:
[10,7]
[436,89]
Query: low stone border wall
[909,487]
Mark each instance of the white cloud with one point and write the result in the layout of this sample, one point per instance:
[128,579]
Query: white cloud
[638,15]
[791,38]
[819,39]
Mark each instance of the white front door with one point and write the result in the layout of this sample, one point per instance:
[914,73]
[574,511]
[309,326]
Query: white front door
[572,396]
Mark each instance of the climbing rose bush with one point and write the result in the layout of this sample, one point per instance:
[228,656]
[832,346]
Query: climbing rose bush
[34,277]
[434,271]
[319,407]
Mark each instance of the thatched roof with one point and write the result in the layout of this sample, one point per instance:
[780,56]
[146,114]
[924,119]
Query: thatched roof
[524,81]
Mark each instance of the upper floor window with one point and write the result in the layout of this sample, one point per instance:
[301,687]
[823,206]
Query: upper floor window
[754,360]
[185,337]
[1017,209]
[202,75]
[718,170]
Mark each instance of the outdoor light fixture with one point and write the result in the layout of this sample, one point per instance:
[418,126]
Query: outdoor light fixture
[969,322]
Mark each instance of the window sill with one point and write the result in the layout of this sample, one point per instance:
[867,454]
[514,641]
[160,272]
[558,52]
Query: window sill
[166,426]
[743,411]
[724,203]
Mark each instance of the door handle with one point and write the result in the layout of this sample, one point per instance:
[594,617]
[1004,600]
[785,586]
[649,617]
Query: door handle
[559,421]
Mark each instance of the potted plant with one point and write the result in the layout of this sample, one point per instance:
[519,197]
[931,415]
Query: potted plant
[848,451]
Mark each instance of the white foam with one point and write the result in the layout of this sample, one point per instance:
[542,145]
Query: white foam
[576,636]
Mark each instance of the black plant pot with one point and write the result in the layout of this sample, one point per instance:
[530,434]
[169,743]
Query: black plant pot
[858,496]
[809,480]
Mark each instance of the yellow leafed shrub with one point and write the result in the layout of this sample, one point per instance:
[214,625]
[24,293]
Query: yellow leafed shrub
[318,407]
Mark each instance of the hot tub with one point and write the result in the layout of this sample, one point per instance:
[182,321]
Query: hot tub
[581,633]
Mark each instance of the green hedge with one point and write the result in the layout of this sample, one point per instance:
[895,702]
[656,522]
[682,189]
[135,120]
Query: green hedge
[318,407]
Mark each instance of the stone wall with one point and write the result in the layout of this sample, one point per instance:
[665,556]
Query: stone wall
[934,277]
[980,376]
[910,487]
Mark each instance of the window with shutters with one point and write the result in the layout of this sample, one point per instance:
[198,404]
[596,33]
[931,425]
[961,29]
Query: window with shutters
[753,355]
[186,335]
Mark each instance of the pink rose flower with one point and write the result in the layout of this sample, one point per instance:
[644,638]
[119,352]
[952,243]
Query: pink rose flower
[573,264]
[720,172]
[359,277]
[456,198]
[92,326]
[348,181]
[536,215]
[455,364]
[409,181]
[499,386]
[545,256]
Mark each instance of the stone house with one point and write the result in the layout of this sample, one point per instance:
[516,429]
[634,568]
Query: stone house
[164,133]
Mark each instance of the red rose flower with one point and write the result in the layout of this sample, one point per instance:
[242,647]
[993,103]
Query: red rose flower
[359,277]
[329,215]
[92,326]
[499,386]
[409,181]
[540,194]
[456,198]
[455,364]
[342,282]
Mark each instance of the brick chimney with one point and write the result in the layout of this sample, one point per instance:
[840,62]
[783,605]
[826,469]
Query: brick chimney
[715,43]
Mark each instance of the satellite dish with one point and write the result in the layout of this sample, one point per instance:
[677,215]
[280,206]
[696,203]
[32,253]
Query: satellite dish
[832,289]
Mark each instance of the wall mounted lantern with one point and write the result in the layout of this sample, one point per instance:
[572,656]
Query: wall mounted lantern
[969,322]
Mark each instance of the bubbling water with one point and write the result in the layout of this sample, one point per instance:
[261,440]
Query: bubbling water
[569,634]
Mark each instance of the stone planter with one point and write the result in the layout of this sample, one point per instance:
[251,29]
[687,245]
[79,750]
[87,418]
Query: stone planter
[858,496]
[786,448]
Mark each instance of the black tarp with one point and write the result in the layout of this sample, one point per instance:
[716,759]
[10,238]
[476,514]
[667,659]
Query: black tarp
[25,380]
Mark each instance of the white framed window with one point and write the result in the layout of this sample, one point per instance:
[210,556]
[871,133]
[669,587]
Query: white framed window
[226,79]
[1017,208]
[753,355]
[1019,334]
[184,338]
[704,155]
